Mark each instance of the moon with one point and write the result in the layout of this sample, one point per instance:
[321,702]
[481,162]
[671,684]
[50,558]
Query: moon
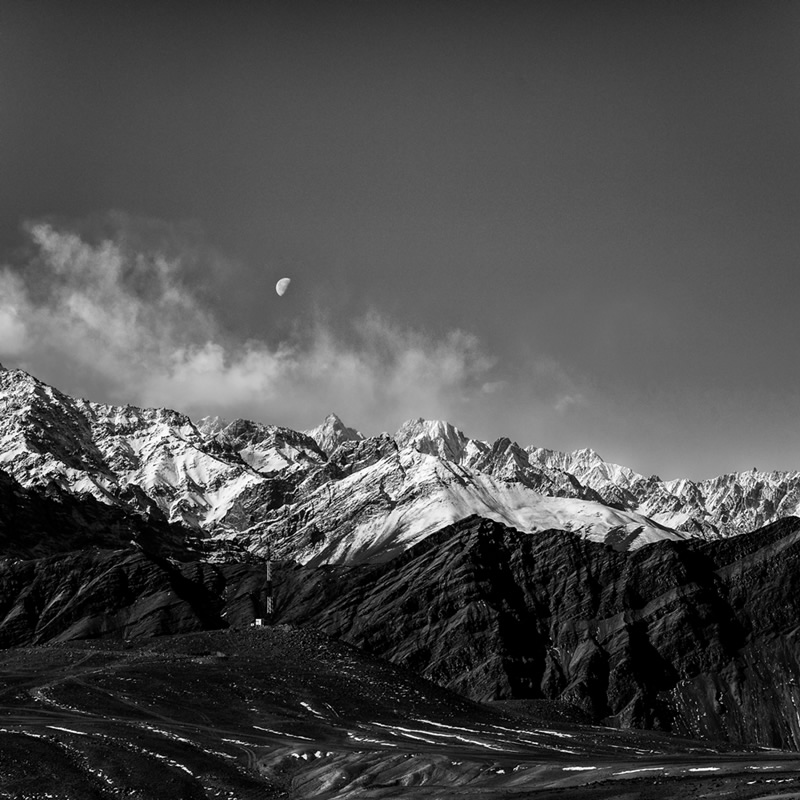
[282,285]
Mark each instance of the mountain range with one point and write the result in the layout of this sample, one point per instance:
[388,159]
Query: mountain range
[508,574]
[331,495]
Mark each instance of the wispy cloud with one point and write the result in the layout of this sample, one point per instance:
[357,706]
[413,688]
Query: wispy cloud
[569,401]
[117,316]
[558,387]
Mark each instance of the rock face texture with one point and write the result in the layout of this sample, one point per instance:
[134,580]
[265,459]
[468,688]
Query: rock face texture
[698,638]
[38,522]
[123,594]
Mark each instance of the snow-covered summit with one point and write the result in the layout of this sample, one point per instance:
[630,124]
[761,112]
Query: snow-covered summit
[331,433]
[209,426]
[434,437]
[104,450]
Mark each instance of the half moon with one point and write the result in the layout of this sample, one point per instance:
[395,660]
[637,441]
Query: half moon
[282,285]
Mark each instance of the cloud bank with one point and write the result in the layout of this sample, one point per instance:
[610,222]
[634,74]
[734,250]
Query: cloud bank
[118,318]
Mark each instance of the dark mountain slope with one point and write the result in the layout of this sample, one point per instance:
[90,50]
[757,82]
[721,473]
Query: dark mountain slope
[122,594]
[697,638]
[41,522]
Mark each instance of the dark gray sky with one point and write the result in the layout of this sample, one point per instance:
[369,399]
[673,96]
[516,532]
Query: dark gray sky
[575,224]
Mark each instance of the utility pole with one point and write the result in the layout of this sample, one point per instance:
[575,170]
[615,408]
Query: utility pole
[259,621]
[269,581]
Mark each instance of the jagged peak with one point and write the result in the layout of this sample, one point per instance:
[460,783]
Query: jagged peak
[587,454]
[333,423]
[504,443]
[432,436]
[420,426]
[208,426]
[17,374]
[333,432]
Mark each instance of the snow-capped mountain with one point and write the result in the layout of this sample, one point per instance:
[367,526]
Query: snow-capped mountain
[723,506]
[330,494]
[194,474]
[395,501]
[332,433]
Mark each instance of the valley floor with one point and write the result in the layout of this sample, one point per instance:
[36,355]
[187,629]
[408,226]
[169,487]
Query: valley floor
[286,712]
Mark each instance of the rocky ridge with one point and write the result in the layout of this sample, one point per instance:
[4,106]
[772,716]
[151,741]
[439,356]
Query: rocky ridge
[726,505]
[697,638]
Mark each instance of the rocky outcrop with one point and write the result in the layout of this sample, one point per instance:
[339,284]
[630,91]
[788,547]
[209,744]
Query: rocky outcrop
[698,638]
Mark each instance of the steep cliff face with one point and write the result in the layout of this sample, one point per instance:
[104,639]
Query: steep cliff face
[697,638]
